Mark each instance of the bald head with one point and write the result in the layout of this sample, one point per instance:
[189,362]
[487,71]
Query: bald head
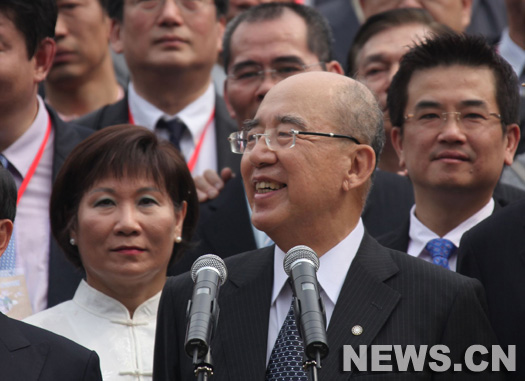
[341,101]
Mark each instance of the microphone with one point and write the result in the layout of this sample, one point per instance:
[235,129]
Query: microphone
[300,264]
[209,273]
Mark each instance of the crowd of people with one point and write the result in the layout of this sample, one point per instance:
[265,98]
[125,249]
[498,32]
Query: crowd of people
[138,135]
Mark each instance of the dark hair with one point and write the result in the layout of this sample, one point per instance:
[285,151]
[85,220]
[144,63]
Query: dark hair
[116,8]
[387,20]
[319,34]
[455,49]
[35,19]
[120,151]
[8,195]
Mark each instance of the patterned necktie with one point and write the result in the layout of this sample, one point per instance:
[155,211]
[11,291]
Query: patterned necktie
[286,360]
[8,259]
[175,129]
[440,249]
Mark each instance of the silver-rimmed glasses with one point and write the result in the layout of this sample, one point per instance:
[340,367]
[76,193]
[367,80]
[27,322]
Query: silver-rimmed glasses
[252,74]
[276,139]
[470,119]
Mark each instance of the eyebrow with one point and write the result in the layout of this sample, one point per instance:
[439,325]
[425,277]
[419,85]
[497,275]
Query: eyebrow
[379,57]
[281,59]
[466,103]
[112,191]
[291,119]
[248,124]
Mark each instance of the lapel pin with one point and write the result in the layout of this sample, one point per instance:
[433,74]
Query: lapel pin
[357,330]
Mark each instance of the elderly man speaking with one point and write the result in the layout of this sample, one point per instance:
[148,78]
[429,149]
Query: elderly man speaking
[308,158]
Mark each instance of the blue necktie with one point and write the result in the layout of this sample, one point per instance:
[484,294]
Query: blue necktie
[8,259]
[175,129]
[286,360]
[440,249]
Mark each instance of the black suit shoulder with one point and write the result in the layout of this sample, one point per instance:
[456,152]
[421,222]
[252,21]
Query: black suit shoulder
[32,353]
[109,115]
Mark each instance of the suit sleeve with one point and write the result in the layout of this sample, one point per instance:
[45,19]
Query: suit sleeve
[93,368]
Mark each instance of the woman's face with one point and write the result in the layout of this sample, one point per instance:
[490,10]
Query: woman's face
[125,232]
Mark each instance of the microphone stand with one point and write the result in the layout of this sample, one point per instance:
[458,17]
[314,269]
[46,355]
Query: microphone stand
[311,366]
[203,366]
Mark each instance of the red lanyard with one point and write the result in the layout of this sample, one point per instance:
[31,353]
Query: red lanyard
[196,152]
[35,162]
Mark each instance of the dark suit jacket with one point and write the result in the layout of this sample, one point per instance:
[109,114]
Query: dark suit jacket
[494,252]
[63,276]
[393,296]
[118,113]
[398,239]
[28,353]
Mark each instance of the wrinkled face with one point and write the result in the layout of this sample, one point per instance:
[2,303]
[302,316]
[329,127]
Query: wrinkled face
[274,44]
[453,13]
[291,187]
[168,34]
[82,36]
[125,232]
[463,155]
[18,73]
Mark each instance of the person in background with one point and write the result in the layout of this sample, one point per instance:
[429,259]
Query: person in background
[123,207]
[82,78]
[374,58]
[454,107]
[27,352]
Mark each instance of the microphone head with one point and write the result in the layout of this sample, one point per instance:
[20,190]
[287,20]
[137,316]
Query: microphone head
[297,253]
[211,261]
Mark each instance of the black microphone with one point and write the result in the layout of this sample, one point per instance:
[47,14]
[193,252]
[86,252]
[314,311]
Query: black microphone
[301,264]
[209,273]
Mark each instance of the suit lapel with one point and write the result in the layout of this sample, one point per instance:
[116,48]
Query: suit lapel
[19,359]
[245,309]
[365,301]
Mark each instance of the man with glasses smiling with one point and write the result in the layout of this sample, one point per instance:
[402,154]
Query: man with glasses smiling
[307,160]
[454,105]
[170,47]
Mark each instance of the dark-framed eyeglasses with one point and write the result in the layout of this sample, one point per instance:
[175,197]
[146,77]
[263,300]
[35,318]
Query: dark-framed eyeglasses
[276,139]
[470,119]
[254,74]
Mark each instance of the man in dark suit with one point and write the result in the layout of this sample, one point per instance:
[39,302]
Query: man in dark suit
[309,186]
[170,49]
[34,143]
[454,107]
[494,252]
[29,353]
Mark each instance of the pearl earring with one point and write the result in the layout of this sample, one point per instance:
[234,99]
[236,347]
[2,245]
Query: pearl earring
[178,239]
[72,242]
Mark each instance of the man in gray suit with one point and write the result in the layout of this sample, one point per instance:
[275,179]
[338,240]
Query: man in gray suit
[308,158]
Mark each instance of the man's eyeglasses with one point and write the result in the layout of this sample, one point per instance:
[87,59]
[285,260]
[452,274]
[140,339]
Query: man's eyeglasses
[252,74]
[276,139]
[189,6]
[471,119]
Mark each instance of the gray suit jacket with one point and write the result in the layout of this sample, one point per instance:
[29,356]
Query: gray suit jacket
[397,299]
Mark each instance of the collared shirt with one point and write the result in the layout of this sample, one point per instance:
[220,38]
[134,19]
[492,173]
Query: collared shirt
[333,268]
[98,322]
[32,231]
[195,116]
[419,234]
[513,53]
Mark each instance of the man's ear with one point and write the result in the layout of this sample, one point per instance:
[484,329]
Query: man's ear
[363,162]
[396,137]
[334,67]
[466,13]
[6,230]
[115,38]
[43,58]
[512,139]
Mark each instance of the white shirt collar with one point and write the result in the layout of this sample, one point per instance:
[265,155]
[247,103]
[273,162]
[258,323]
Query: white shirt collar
[514,54]
[106,307]
[333,268]
[419,234]
[195,116]
[22,152]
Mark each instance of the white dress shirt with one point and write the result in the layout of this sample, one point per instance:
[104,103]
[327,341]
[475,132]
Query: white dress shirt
[32,230]
[419,234]
[333,268]
[98,322]
[512,53]
[195,116]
